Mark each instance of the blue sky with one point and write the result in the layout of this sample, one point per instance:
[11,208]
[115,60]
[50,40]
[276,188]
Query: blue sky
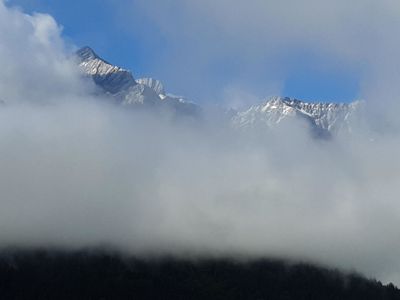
[125,33]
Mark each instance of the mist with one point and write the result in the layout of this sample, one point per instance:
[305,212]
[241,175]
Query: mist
[77,172]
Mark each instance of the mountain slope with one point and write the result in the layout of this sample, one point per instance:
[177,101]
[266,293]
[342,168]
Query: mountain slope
[323,118]
[121,86]
[326,117]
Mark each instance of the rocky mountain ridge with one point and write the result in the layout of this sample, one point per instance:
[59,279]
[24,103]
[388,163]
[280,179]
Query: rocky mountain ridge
[328,117]
[121,86]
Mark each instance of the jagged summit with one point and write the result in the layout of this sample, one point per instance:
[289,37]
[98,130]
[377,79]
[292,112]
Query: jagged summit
[87,53]
[110,78]
[330,117]
[121,86]
[114,81]
[154,84]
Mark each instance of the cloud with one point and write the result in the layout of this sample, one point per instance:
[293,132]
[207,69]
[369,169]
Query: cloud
[33,59]
[81,173]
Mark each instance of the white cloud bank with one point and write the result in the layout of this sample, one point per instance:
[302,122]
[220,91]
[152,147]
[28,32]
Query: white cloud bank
[75,173]
[34,66]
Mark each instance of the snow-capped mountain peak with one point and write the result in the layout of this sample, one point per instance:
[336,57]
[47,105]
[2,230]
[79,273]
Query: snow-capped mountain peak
[154,84]
[121,86]
[110,78]
[118,83]
[329,117]
[87,53]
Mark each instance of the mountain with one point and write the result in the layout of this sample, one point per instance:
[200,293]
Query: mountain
[324,119]
[120,85]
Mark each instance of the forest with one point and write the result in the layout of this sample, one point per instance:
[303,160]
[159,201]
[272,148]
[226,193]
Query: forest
[89,274]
